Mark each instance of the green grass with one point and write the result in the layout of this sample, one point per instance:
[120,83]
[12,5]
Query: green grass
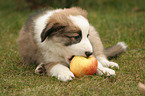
[113,21]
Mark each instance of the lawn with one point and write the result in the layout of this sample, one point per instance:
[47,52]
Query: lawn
[120,20]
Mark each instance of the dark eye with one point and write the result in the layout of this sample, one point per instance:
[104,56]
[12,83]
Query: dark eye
[88,35]
[74,38]
[77,37]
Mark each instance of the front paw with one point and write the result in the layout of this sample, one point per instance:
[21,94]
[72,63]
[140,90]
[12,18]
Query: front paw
[62,73]
[40,69]
[65,76]
[106,71]
[107,63]
[113,65]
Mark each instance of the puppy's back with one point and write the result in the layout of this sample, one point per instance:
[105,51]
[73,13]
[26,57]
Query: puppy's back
[28,49]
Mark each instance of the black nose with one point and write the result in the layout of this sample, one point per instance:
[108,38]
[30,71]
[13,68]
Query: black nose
[88,53]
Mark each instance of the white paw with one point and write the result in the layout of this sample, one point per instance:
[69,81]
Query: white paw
[62,73]
[99,72]
[107,63]
[65,76]
[113,64]
[106,71]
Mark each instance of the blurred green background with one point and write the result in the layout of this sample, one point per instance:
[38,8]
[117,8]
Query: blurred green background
[124,5]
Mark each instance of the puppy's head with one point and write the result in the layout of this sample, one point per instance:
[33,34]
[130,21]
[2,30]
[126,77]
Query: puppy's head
[69,31]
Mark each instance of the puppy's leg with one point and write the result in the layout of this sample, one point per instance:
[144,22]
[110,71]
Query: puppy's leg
[41,70]
[107,63]
[99,49]
[58,70]
[103,70]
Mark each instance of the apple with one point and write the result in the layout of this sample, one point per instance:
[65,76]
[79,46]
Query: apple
[81,66]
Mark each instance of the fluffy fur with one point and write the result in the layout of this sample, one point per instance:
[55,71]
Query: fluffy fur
[50,38]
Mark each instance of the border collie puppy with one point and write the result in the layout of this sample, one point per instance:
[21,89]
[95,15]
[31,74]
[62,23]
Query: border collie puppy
[51,38]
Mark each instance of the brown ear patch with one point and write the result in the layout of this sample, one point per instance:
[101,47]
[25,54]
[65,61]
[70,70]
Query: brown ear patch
[46,31]
[50,28]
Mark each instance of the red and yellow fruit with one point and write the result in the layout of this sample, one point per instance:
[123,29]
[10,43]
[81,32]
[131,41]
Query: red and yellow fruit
[81,66]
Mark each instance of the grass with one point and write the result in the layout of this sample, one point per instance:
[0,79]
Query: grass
[114,23]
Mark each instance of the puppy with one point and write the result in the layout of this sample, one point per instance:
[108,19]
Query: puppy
[51,38]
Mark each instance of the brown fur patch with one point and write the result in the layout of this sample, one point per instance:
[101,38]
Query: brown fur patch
[61,17]
[28,49]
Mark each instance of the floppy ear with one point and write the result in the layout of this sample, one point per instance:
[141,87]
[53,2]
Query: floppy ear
[49,29]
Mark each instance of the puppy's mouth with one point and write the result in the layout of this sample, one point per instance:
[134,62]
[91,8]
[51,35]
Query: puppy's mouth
[69,59]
